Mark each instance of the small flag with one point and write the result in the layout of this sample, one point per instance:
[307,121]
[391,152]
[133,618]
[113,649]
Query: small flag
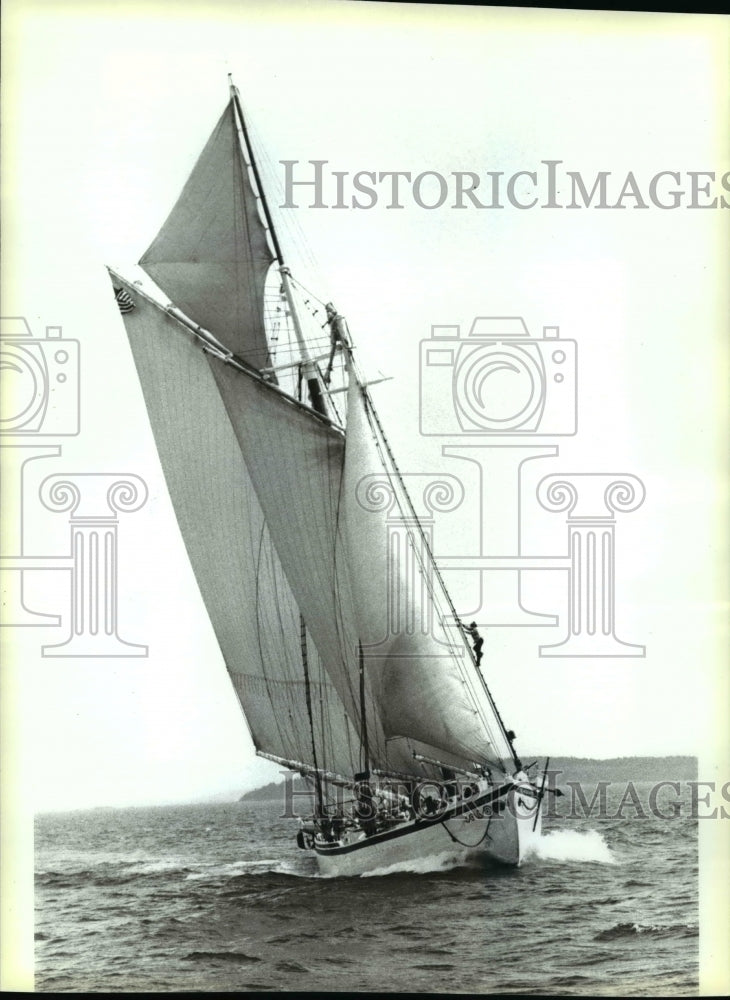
[124,300]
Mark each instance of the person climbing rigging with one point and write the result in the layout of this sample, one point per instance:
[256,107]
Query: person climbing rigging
[511,737]
[338,334]
[473,632]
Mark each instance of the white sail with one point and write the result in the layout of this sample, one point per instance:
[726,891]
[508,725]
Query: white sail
[212,255]
[253,612]
[265,491]
[295,460]
[423,679]
[330,613]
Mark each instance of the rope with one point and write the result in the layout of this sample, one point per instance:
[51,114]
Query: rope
[308,292]
[460,842]
[308,698]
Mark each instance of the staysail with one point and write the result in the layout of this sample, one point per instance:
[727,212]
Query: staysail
[424,682]
[251,607]
[212,254]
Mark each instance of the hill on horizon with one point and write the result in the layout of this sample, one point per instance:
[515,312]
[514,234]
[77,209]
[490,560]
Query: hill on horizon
[668,768]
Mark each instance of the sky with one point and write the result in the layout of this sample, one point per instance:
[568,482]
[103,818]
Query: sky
[100,134]
[105,109]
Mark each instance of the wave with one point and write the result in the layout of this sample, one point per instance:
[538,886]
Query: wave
[629,930]
[296,967]
[571,845]
[124,872]
[220,956]
[106,873]
[231,869]
[418,866]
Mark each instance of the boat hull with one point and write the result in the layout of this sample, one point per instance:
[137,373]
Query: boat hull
[458,837]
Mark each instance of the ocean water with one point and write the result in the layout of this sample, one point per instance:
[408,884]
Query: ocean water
[218,898]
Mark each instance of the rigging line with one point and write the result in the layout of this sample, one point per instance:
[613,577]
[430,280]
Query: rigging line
[255,171]
[271,327]
[378,431]
[258,184]
[331,741]
[325,716]
[245,304]
[365,747]
[288,222]
[282,740]
[370,409]
[283,270]
[307,290]
[215,348]
[350,752]
[308,695]
[313,341]
[238,212]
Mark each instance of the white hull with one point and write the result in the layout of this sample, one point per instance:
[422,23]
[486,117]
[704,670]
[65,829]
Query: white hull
[502,837]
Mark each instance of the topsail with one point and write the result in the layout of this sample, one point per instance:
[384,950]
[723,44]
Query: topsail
[212,254]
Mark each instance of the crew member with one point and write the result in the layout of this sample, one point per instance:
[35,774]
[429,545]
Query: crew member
[511,736]
[476,639]
[338,334]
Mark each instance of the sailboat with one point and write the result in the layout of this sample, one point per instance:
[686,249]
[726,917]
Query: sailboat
[348,658]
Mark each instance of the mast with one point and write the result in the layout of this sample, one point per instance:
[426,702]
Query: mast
[363,717]
[255,170]
[310,372]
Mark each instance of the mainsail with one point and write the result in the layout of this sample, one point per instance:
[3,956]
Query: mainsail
[248,599]
[295,460]
[292,569]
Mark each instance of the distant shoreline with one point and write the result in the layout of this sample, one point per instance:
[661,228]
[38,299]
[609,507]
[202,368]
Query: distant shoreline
[676,767]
